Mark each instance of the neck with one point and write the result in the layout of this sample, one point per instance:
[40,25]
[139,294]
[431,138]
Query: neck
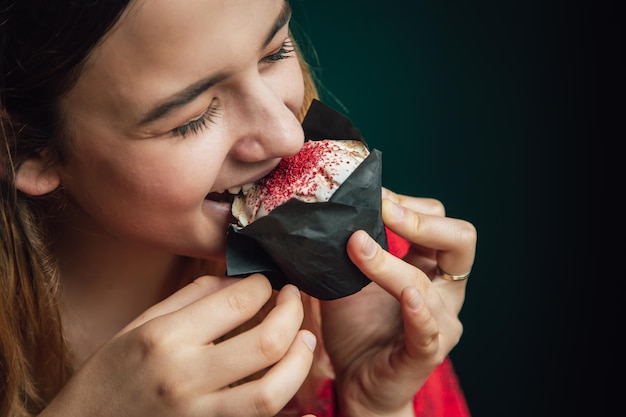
[106,283]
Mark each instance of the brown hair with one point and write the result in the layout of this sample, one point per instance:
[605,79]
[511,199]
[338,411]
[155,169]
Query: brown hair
[37,67]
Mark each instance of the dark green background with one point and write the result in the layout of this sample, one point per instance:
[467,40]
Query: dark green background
[495,108]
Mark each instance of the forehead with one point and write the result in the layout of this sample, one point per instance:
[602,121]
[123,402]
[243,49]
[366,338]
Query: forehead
[161,46]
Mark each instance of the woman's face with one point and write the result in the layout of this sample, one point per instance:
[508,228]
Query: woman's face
[182,100]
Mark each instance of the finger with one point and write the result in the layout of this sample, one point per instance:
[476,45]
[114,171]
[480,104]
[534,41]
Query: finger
[265,344]
[430,206]
[453,239]
[391,273]
[428,340]
[428,330]
[213,315]
[269,394]
[420,327]
[190,293]
[422,347]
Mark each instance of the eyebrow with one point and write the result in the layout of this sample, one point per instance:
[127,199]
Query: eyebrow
[191,92]
[279,23]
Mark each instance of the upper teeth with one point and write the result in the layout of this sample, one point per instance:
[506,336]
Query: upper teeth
[245,188]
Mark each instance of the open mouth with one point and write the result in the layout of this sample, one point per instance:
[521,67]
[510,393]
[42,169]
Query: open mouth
[223,197]
[228,196]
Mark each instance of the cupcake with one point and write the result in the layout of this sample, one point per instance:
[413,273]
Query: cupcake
[312,175]
[293,225]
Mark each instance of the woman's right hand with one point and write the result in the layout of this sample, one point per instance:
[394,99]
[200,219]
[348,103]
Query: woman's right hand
[166,363]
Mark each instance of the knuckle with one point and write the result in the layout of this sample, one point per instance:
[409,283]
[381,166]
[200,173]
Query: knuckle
[434,207]
[171,393]
[454,331]
[266,402]
[417,223]
[271,346]
[430,345]
[151,340]
[240,301]
[248,295]
[167,392]
[167,383]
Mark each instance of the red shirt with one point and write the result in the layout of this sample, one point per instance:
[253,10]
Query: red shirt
[440,396]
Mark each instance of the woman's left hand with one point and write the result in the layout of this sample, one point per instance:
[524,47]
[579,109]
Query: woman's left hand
[385,340]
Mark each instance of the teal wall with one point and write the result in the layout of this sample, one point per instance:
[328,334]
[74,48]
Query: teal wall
[483,105]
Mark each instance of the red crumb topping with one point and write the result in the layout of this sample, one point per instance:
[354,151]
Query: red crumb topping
[296,174]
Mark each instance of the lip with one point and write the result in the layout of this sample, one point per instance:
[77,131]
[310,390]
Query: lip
[221,201]
[258,176]
[250,180]
[220,209]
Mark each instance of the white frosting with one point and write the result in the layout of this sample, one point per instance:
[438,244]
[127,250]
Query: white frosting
[312,175]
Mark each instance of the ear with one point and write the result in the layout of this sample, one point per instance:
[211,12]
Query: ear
[35,176]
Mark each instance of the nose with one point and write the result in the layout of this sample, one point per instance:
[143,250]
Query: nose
[265,126]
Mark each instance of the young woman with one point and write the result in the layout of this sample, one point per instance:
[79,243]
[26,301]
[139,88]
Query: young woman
[123,122]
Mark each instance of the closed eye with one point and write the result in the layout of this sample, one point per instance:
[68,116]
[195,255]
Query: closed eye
[198,125]
[286,50]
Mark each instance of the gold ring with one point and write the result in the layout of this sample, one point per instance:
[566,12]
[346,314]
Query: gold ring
[443,274]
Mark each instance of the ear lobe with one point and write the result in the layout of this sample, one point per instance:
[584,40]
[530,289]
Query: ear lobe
[35,177]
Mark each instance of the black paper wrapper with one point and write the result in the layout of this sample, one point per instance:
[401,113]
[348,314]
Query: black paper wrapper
[305,243]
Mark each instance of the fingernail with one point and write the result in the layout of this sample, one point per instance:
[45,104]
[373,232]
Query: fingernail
[369,248]
[310,340]
[396,211]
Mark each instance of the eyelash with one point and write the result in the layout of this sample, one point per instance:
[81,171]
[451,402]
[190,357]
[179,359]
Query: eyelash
[285,51]
[196,126]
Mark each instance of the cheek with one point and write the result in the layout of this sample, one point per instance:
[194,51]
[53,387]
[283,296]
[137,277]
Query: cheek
[142,178]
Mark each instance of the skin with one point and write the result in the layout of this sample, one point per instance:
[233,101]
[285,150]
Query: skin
[383,356]
[138,211]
